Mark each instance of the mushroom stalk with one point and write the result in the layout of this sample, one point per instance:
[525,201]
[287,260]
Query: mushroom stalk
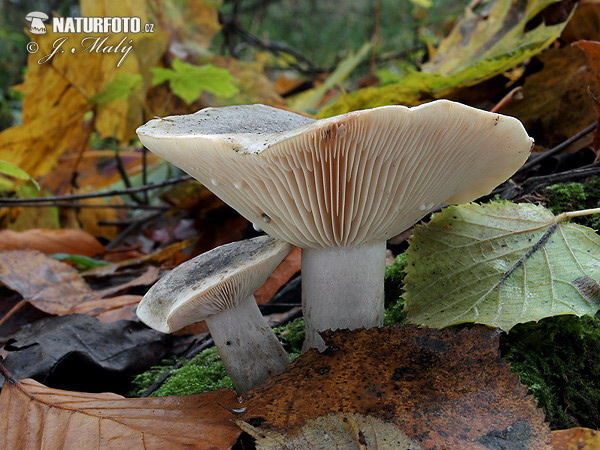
[342,287]
[249,350]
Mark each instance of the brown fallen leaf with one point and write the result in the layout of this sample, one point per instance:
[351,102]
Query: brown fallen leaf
[281,275]
[35,416]
[576,439]
[442,388]
[556,104]
[76,242]
[592,52]
[57,288]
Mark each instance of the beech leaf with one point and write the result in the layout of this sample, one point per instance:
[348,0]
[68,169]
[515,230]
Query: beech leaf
[35,416]
[500,264]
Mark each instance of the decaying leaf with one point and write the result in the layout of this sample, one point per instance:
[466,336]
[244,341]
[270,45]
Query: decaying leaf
[500,264]
[55,287]
[442,388]
[336,430]
[73,241]
[490,38]
[592,52]
[556,104]
[78,352]
[576,439]
[35,416]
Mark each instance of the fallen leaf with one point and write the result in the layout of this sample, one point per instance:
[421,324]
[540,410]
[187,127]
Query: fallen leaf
[40,417]
[337,430]
[500,264]
[55,287]
[592,52]
[556,104]
[162,255]
[78,352]
[280,276]
[490,38]
[72,241]
[585,23]
[576,439]
[442,388]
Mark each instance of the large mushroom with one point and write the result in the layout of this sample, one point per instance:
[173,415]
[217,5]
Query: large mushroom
[218,287]
[340,187]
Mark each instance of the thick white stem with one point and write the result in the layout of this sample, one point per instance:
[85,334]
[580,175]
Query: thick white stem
[342,288]
[249,350]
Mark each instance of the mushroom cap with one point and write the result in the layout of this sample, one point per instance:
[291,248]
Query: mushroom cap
[346,180]
[36,15]
[210,283]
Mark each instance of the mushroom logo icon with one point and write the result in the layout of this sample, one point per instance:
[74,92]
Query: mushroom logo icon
[37,20]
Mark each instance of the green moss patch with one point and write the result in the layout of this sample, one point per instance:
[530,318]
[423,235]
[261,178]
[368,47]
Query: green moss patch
[559,360]
[565,197]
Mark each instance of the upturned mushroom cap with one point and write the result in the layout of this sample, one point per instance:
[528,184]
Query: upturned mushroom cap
[36,15]
[210,283]
[347,180]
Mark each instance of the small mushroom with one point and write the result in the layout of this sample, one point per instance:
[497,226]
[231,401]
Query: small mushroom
[37,19]
[340,187]
[218,287]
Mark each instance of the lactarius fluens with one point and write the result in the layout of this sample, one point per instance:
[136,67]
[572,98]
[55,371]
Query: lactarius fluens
[218,287]
[340,187]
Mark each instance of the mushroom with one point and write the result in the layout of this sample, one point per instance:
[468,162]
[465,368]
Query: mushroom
[37,19]
[340,187]
[218,287]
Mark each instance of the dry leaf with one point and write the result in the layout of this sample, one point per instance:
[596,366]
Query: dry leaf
[556,104]
[337,430]
[57,288]
[35,416]
[76,242]
[592,52]
[576,439]
[281,275]
[442,388]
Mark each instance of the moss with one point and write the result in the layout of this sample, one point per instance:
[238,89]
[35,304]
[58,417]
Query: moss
[291,336]
[559,360]
[564,197]
[394,279]
[204,372]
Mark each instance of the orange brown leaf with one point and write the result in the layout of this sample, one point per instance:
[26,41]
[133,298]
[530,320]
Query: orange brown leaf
[443,388]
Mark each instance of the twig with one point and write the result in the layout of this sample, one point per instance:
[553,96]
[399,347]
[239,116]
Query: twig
[539,158]
[515,94]
[125,177]
[6,374]
[113,193]
[130,228]
[25,204]
[11,312]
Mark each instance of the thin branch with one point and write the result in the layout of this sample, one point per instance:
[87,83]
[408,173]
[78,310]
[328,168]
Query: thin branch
[24,204]
[113,193]
[535,160]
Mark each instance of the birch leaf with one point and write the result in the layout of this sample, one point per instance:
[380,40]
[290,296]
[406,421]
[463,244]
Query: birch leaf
[500,264]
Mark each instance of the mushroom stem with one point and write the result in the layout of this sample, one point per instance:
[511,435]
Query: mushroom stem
[342,288]
[249,350]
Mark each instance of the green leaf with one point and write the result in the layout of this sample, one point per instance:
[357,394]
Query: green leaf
[188,81]
[309,99]
[11,170]
[500,264]
[121,87]
[82,262]
[489,39]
